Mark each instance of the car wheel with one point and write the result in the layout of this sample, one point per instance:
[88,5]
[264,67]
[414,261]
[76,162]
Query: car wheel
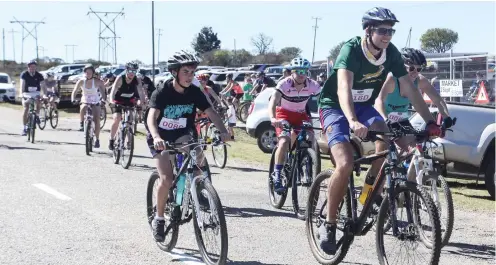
[489,176]
[267,139]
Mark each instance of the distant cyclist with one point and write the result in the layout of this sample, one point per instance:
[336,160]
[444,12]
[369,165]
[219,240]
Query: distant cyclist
[52,90]
[32,83]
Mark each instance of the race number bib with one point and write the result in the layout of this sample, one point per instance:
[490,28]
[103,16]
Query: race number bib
[127,95]
[172,124]
[32,89]
[91,96]
[398,116]
[362,95]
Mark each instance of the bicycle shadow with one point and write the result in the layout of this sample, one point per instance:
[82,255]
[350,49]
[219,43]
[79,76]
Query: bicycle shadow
[58,143]
[194,256]
[245,169]
[11,134]
[468,250]
[255,212]
[3,146]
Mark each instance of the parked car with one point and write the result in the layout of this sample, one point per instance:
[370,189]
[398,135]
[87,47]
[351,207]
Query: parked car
[468,150]
[7,88]
[258,126]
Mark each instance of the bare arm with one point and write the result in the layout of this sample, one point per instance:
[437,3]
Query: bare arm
[214,116]
[43,87]
[345,84]
[117,83]
[427,88]
[415,98]
[227,88]
[76,90]
[21,83]
[141,92]
[101,86]
[152,122]
[387,88]
[208,98]
[210,92]
[274,101]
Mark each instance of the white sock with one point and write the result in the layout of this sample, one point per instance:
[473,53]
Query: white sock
[159,218]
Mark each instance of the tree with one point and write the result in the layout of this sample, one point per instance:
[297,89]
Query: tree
[438,40]
[262,43]
[205,41]
[222,57]
[334,52]
[289,53]
[242,57]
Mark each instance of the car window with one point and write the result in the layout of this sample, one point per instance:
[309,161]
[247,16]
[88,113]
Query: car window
[118,71]
[76,67]
[240,77]
[4,79]
[64,69]
[218,77]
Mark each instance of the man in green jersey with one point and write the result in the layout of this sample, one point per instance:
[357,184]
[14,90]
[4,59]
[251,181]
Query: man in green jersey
[347,102]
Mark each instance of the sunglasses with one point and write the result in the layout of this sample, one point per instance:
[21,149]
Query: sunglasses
[384,31]
[411,68]
[132,71]
[300,71]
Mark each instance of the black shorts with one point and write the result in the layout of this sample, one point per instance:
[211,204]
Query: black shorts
[118,109]
[169,136]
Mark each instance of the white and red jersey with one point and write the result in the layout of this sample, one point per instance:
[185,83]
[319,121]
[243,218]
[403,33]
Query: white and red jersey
[294,100]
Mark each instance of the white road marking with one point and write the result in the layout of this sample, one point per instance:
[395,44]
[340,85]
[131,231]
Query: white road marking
[185,258]
[52,191]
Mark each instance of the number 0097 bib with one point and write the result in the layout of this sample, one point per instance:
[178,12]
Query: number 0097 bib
[172,124]
[398,116]
[362,95]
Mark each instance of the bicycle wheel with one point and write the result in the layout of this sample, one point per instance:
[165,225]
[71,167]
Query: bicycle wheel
[303,175]
[116,153]
[87,136]
[43,118]
[444,205]
[219,152]
[33,127]
[243,111]
[135,121]
[215,221]
[151,210]
[103,116]
[276,200]
[316,213]
[127,143]
[54,118]
[408,231]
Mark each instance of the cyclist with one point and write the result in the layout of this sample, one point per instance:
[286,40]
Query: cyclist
[292,95]
[92,92]
[261,83]
[393,103]
[52,90]
[32,82]
[171,117]
[286,71]
[110,79]
[347,102]
[247,88]
[208,90]
[125,90]
[233,89]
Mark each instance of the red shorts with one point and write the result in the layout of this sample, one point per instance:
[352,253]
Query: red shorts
[293,118]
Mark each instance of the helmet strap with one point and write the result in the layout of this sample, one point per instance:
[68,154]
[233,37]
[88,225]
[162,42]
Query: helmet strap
[369,39]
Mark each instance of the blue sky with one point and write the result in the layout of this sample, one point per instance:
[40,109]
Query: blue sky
[288,23]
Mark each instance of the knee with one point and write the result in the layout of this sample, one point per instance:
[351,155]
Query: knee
[344,165]
[283,143]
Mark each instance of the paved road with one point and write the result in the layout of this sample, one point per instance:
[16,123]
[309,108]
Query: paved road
[60,206]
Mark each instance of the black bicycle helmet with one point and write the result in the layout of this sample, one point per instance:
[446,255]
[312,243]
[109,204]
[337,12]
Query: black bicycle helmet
[413,56]
[182,58]
[109,75]
[230,76]
[132,66]
[378,15]
[89,66]
[259,74]
[49,74]
[32,62]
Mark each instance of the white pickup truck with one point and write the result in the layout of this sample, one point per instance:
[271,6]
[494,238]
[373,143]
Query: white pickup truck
[469,149]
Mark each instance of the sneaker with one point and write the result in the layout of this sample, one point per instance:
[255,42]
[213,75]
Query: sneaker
[327,237]
[81,127]
[111,145]
[97,143]
[24,132]
[278,187]
[158,227]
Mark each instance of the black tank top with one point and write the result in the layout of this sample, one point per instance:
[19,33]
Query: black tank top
[127,91]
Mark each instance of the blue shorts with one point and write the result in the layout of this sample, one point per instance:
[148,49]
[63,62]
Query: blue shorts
[336,126]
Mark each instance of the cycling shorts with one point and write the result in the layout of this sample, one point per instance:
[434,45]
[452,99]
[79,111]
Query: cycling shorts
[293,118]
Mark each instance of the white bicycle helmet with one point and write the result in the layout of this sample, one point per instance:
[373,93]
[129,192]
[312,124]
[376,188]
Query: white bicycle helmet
[299,63]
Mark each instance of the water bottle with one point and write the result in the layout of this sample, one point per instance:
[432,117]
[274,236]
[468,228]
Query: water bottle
[179,160]
[180,189]
[406,164]
[367,187]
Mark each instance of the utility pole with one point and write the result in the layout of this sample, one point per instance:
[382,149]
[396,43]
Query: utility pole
[3,36]
[235,61]
[108,42]
[30,33]
[13,42]
[66,56]
[158,46]
[153,42]
[407,44]
[42,50]
[107,25]
[315,35]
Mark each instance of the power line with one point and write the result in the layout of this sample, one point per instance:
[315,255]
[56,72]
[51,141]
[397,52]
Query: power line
[12,31]
[30,33]
[158,48]
[103,39]
[66,57]
[315,35]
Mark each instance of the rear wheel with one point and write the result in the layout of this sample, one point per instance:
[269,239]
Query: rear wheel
[103,116]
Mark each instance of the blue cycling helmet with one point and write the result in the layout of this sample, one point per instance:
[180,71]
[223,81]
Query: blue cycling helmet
[300,63]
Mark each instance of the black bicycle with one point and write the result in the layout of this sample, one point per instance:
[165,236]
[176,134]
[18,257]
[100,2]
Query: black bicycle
[300,169]
[125,138]
[219,148]
[400,196]
[188,196]
[89,128]
[32,119]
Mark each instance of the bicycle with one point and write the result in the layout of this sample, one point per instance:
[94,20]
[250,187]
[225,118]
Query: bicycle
[219,148]
[120,145]
[89,129]
[351,225]
[103,116]
[243,110]
[49,113]
[184,203]
[292,175]
[32,119]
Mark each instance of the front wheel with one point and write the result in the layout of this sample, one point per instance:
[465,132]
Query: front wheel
[54,118]
[32,127]
[43,118]
[276,200]
[127,147]
[307,170]
[219,152]
[88,137]
[214,221]
[408,197]
[103,116]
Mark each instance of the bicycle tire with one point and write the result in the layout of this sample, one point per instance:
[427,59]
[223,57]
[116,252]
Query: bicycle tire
[433,214]
[295,178]
[223,227]
[270,184]
[135,121]
[116,153]
[448,198]
[243,109]
[87,136]
[220,163]
[151,209]
[342,250]
[33,127]
[103,116]
[130,135]
[43,114]
[54,118]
